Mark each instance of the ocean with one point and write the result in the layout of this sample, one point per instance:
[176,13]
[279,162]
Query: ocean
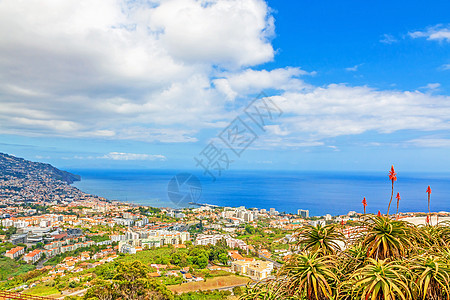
[287,191]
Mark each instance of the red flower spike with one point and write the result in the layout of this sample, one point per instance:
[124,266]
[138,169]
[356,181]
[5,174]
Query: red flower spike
[364,202]
[429,190]
[392,177]
[379,213]
[428,219]
[398,202]
[392,174]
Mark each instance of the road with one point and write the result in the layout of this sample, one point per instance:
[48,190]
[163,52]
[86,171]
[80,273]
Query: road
[77,293]
[40,263]
[275,263]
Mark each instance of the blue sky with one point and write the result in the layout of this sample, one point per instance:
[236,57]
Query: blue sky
[360,85]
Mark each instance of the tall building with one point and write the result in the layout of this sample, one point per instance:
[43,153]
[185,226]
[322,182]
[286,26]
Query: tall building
[304,213]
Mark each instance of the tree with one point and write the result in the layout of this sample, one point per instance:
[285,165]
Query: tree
[131,281]
[250,229]
[223,258]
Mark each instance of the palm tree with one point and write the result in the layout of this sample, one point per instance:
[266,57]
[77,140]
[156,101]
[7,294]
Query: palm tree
[432,277]
[386,238]
[321,239]
[310,276]
[379,280]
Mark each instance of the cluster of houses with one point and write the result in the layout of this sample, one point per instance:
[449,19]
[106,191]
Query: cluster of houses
[213,239]
[81,262]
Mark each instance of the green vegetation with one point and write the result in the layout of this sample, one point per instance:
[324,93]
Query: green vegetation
[262,238]
[203,295]
[11,268]
[99,238]
[4,247]
[42,290]
[8,231]
[128,281]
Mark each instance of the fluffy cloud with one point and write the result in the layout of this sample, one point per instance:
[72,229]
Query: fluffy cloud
[337,110]
[251,81]
[164,70]
[68,70]
[434,33]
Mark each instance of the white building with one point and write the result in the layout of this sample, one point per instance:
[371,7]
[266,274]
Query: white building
[257,270]
[203,239]
[304,213]
[15,252]
[32,256]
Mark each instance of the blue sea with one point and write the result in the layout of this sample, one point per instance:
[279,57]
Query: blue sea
[286,191]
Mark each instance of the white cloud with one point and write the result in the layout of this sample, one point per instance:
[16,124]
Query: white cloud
[165,70]
[354,68]
[430,142]
[338,110]
[431,86]
[68,70]
[434,33]
[132,156]
[445,67]
[252,81]
[388,39]
[231,32]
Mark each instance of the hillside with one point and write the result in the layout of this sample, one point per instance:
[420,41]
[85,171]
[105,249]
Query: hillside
[21,168]
[26,181]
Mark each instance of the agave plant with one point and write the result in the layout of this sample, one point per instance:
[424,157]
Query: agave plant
[321,239]
[432,277]
[379,280]
[310,276]
[387,238]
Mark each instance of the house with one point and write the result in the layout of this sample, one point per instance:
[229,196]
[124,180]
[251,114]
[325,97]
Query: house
[188,277]
[234,255]
[259,270]
[15,252]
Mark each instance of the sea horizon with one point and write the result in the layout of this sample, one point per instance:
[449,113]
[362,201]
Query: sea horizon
[321,192]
